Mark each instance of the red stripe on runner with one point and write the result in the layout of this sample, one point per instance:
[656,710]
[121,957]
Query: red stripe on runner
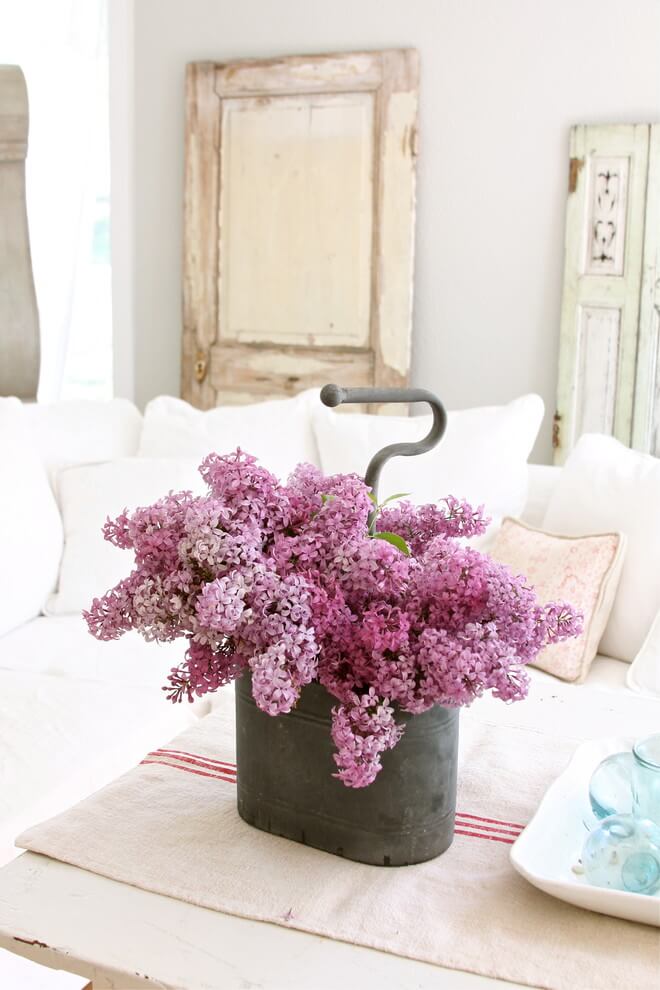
[480,835]
[200,773]
[488,828]
[198,756]
[195,762]
[493,821]
[227,772]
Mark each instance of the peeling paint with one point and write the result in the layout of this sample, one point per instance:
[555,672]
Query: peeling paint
[396,225]
[31,941]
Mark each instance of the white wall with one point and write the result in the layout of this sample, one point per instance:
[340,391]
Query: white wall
[502,81]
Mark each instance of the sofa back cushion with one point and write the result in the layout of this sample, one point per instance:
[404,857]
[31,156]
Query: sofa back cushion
[83,432]
[88,495]
[606,486]
[30,526]
[542,479]
[482,456]
[278,432]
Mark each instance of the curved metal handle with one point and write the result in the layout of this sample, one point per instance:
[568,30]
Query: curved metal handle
[336,395]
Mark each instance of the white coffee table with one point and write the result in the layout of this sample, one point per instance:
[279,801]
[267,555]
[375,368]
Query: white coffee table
[121,937]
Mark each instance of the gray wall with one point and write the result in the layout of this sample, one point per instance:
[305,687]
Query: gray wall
[501,84]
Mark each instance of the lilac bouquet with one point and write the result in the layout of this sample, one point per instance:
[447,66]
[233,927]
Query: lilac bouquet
[289,582]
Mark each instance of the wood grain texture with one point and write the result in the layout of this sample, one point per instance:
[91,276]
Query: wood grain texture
[122,937]
[19,317]
[646,411]
[201,220]
[299,217]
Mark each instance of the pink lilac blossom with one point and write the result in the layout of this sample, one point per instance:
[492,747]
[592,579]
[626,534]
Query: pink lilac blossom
[284,581]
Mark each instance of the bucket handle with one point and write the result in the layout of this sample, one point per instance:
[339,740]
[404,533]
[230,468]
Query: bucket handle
[337,395]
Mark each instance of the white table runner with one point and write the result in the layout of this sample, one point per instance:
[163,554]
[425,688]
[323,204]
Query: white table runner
[171,826]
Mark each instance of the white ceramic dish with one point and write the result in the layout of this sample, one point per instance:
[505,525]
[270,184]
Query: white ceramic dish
[551,844]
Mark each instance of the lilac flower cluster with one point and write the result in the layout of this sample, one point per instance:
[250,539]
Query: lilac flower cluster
[287,582]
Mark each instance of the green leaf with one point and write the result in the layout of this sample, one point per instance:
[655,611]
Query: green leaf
[327,498]
[391,498]
[396,541]
[373,498]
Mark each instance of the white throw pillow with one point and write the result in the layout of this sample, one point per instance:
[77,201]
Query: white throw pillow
[644,671]
[30,525]
[278,432]
[88,495]
[83,432]
[606,486]
[482,456]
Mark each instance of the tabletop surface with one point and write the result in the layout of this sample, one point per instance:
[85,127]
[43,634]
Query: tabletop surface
[122,937]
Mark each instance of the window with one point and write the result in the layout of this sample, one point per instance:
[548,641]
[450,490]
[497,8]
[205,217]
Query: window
[61,45]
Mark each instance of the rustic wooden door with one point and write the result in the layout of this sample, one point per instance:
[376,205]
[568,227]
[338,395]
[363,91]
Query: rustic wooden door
[646,412]
[299,215]
[609,318]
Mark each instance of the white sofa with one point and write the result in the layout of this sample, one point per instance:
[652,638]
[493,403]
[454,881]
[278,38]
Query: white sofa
[74,713]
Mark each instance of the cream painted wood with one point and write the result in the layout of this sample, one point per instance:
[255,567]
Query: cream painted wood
[299,214]
[604,247]
[295,198]
[646,414]
[19,317]
[123,937]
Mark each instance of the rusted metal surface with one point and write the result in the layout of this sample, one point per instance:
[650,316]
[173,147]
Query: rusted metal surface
[575,167]
[556,431]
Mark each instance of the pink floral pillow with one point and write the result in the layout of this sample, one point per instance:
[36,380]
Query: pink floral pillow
[583,570]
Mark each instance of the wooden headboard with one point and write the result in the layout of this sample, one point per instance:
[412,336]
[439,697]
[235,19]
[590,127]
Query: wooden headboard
[19,317]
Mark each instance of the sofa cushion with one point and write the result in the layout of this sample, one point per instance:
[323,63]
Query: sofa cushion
[30,526]
[482,456]
[62,646]
[605,486]
[88,495]
[542,479]
[278,432]
[62,738]
[583,570]
[83,432]
[644,672]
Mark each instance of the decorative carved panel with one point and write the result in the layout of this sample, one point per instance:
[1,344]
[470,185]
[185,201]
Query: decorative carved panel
[299,214]
[608,196]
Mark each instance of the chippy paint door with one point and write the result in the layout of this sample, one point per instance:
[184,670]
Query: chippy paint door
[299,214]
[646,413]
[606,331]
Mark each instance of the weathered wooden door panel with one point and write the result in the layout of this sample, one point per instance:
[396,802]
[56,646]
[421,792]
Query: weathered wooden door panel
[646,414]
[605,220]
[252,373]
[299,214]
[609,378]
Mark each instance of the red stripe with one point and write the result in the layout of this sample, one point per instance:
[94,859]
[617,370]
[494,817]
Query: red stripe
[198,756]
[490,838]
[227,772]
[488,828]
[493,821]
[193,761]
[200,773]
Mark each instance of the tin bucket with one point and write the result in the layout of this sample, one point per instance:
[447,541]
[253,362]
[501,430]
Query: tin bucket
[286,787]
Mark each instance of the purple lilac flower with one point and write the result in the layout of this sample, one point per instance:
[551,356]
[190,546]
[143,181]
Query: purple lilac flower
[285,581]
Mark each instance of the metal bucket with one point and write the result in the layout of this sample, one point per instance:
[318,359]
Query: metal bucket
[286,787]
